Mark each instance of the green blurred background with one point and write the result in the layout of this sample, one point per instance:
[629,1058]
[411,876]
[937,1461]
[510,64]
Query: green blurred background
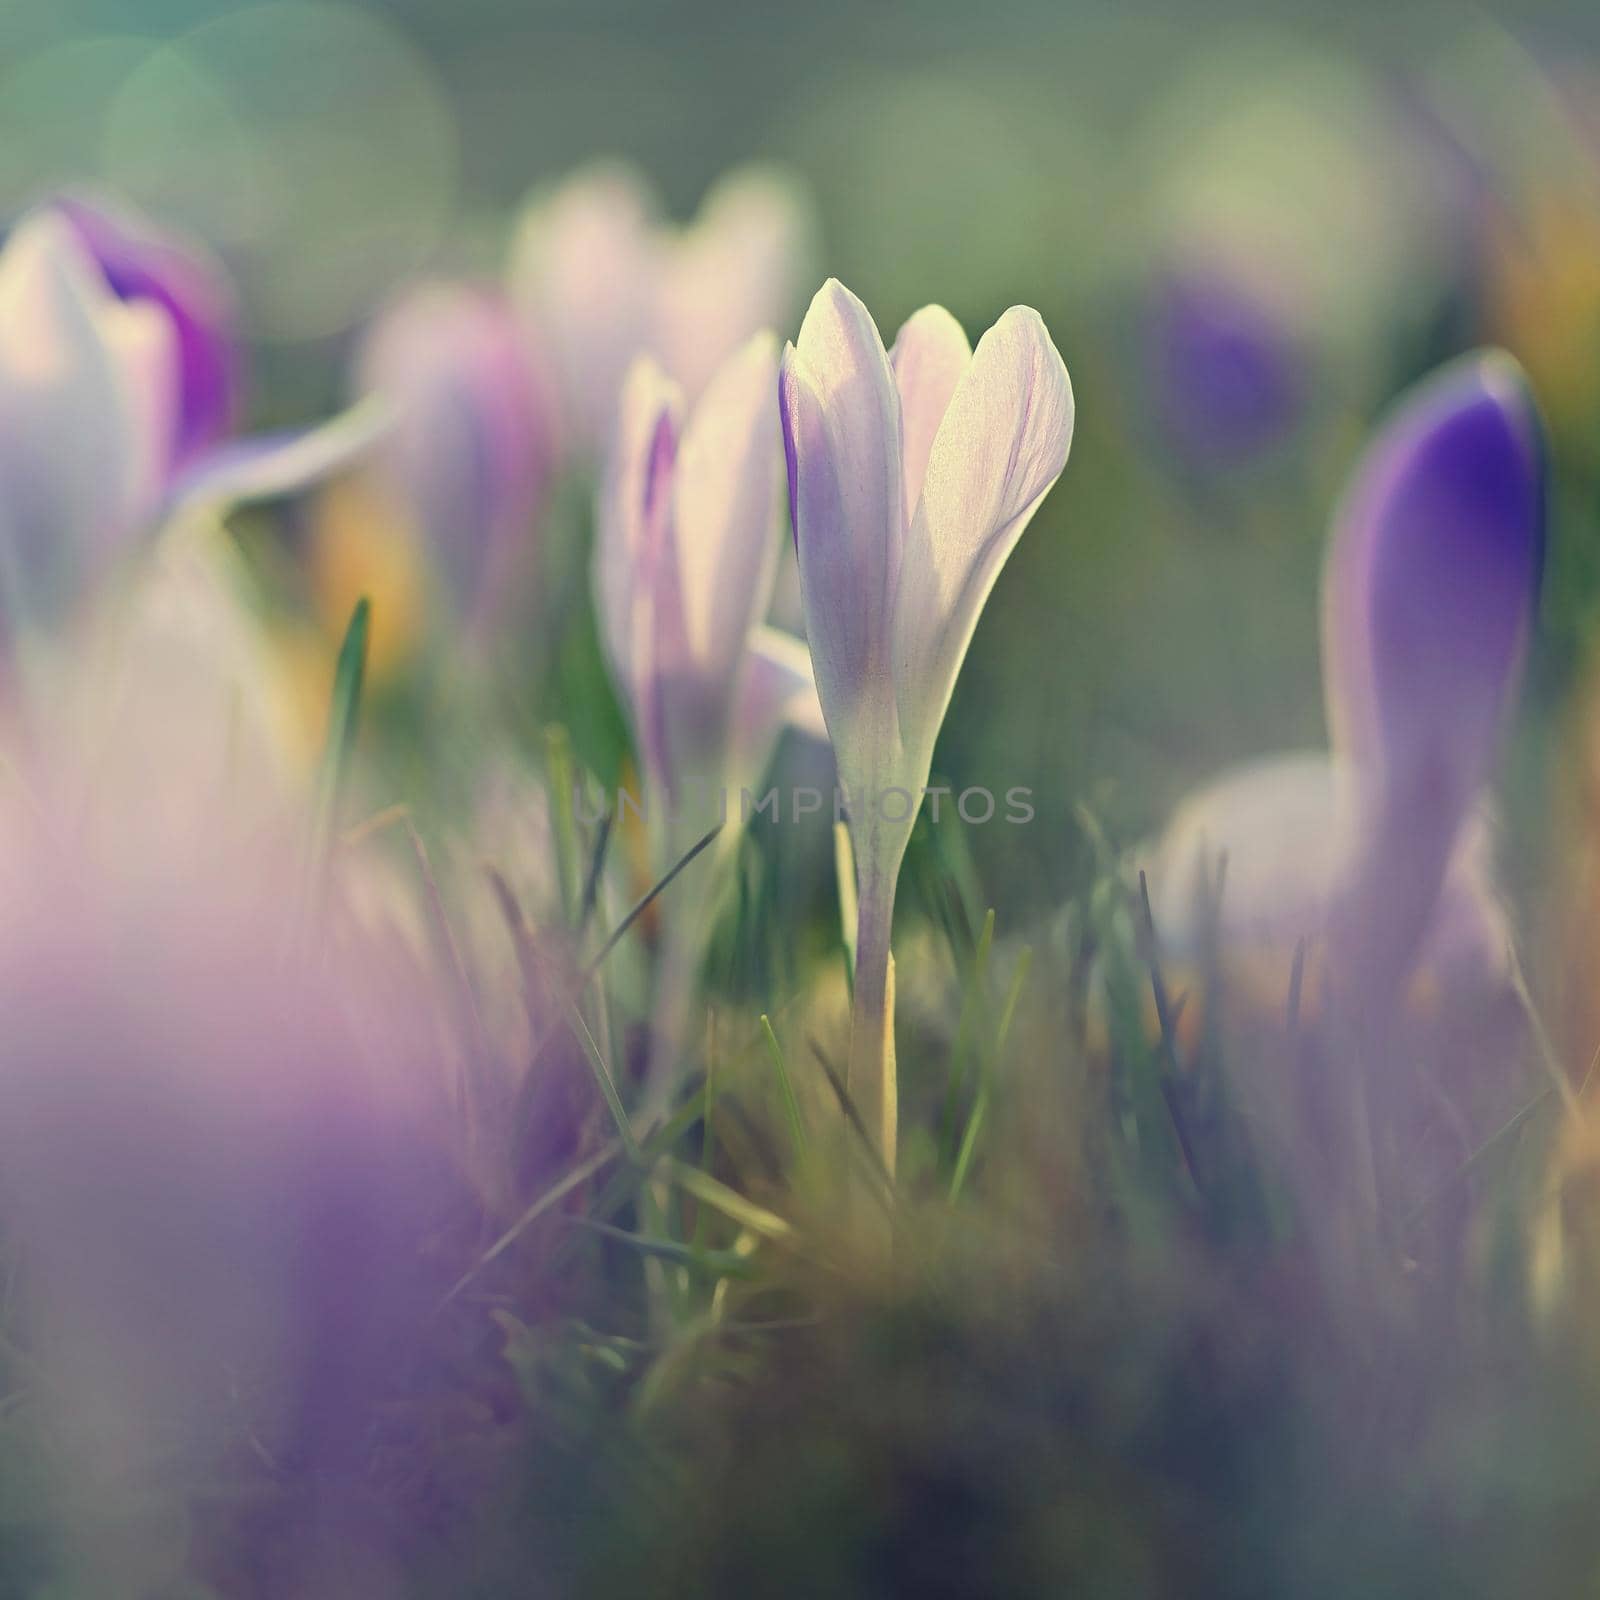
[1393,182]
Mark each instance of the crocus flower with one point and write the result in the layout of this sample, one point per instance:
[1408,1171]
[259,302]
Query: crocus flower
[1428,597]
[86,416]
[92,407]
[142,264]
[598,279]
[911,477]
[471,453]
[1226,369]
[684,569]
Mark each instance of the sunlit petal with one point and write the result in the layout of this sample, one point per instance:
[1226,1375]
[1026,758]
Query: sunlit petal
[1002,443]
[841,417]
[725,509]
[930,357]
[85,416]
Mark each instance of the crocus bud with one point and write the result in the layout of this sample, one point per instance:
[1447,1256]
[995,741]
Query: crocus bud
[911,477]
[1428,600]
[86,418]
[684,569]
[1428,597]
[598,279]
[141,264]
[472,449]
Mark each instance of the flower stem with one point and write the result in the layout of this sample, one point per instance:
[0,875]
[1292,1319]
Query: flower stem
[871,1074]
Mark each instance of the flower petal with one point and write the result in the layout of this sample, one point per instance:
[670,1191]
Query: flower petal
[633,562]
[841,424]
[1291,836]
[930,357]
[1431,580]
[85,415]
[272,466]
[1002,444]
[739,268]
[141,264]
[1282,824]
[776,689]
[725,510]
[1428,600]
[582,275]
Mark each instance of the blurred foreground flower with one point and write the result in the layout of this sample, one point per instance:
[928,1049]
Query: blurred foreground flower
[1428,599]
[96,418]
[684,569]
[219,1168]
[144,266]
[223,1127]
[86,418]
[598,279]
[911,477]
[472,453]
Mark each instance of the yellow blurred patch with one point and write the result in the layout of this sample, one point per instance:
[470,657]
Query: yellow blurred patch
[363,544]
[1544,294]
[1564,1255]
[305,657]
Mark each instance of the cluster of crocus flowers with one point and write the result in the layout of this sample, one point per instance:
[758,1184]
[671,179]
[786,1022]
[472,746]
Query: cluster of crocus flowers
[912,474]
[685,563]
[1376,852]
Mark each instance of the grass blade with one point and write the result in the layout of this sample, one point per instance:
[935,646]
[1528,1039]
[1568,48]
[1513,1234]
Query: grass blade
[602,1075]
[733,1205]
[348,677]
[614,938]
[791,1106]
[980,1104]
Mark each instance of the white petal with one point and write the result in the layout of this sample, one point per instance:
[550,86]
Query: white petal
[87,392]
[583,271]
[842,438]
[1283,825]
[271,466]
[738,269]
[1002,444]
[930,357]
[776,689]
[725,509]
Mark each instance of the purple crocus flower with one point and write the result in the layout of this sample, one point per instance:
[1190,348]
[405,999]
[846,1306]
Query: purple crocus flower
[473,448]
[141,264]
[912,475]
[1224,369]
[91,411]
[1428,600]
